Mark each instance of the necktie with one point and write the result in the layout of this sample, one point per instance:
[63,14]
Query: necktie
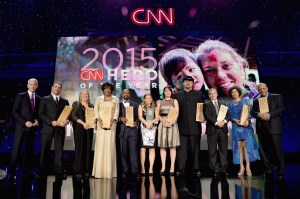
[216,107]
[32,102]
[56,102]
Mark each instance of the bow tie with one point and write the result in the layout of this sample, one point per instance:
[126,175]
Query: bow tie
[126,101]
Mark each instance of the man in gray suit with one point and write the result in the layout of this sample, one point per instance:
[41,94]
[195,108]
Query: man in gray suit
[189,129]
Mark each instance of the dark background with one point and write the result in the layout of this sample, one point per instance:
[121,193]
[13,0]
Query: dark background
[29,30]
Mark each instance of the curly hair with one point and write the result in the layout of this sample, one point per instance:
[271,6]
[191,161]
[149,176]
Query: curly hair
[107,84]
[239,90]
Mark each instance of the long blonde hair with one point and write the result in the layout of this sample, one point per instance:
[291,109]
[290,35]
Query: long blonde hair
[152,104]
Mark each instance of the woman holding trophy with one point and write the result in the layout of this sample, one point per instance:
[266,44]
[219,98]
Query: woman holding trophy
[106,112]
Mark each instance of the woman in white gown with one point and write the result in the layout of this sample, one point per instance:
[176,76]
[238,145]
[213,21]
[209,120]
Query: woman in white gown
[106,109]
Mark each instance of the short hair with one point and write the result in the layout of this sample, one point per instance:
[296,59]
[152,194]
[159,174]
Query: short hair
[239,90]
[170,89]
[57,82]
[107,84]
[212,88]
[33,80]
[210,45]
[173,62]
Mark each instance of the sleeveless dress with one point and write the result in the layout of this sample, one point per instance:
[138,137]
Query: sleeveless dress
[242,133]
[167,137]
[148,136]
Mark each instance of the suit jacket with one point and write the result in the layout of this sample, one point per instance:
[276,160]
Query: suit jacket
[22,111]
[121,126]
[209,112]
[276,107]
[48,112]
[187,112]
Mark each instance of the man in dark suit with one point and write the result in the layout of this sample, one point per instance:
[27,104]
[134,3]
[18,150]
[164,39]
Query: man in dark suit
[50,109]
[128,136]
[25,112]
[216,132]
[189,129]
[269,129]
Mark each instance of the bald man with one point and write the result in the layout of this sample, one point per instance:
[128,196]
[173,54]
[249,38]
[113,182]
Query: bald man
[25,112]
[269,130]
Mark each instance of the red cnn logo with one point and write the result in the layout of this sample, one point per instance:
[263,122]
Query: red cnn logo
[158,17]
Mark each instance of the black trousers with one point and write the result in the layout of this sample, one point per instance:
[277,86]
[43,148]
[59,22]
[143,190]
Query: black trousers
[46,141]
[271,150]
[129,140]
[220,140]
[182,152]
[83,149]
[21,137]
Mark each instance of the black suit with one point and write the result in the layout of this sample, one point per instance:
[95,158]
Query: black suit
[49,111]
[128,137]
[269,132]
[189,129]
[216,136]
[22,112]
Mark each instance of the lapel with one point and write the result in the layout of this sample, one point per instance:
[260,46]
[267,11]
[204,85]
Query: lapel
[27,99]
[53,102]
[123,108]
[212,107]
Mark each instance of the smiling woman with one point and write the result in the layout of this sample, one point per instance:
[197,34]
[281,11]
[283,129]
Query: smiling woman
[223,67]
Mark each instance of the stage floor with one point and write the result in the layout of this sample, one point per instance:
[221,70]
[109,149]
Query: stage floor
[186,186]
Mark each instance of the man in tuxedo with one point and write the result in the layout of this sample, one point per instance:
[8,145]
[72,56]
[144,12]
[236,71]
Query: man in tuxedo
[51,107]
[269,130]
[25,112]
[128,136]
[216,132]
[189,129]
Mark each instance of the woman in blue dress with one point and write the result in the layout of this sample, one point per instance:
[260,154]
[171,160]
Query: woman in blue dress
[244,144]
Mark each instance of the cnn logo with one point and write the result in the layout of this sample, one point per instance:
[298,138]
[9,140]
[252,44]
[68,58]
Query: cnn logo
[145,17]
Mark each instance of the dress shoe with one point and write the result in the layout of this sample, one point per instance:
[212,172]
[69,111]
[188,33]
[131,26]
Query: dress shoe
[162,173]
[224,174]
[124,175]
[216,175]
[280,177]
[197,173]
[136,175]
[11,177]
[268,174]
[179,172]
[171,174]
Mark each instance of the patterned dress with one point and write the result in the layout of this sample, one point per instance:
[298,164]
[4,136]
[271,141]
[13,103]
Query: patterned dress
[242,133]
[167,137]
[148,136]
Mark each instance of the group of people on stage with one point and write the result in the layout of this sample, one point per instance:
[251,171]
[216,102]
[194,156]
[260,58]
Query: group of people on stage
[181,135]
[222,68]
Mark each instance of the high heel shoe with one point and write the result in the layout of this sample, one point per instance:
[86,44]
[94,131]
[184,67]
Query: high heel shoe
[248,171]
[241,172]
